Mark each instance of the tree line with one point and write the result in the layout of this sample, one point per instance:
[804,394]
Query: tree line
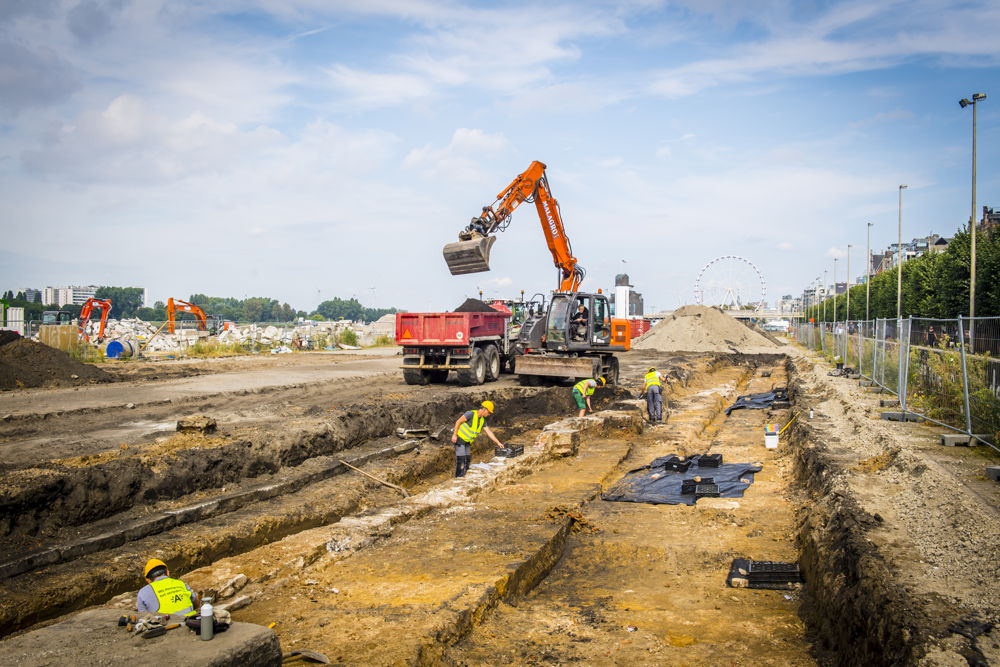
[934,284]
[126,302]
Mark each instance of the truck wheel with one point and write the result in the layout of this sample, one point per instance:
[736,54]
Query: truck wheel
[476,372]
[439,376]
[414,376]
[492,363]
[612,377]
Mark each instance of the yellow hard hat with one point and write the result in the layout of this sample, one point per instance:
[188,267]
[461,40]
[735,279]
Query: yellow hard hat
[602,381]
[651,369]
[488,405]
[151,565]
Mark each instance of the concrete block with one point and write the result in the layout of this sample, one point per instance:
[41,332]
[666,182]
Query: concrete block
[888,403]
[94,638]
[901,417]
[953,439]
[993,472]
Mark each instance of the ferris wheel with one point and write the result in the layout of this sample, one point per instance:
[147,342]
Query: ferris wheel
[732,282]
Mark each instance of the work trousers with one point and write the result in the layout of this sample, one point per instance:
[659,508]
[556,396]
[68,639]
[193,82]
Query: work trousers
[654,403]
[463,458]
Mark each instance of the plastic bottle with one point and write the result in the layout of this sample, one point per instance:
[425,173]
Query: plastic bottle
[207,627]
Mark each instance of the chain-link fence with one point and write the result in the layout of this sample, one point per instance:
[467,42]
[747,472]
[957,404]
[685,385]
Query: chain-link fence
[944,370]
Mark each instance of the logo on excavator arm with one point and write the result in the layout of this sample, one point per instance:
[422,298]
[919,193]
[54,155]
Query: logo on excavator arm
[550,220]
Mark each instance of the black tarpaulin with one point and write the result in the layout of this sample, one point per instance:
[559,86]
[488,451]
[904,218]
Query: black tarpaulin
[658,485]
[758,401]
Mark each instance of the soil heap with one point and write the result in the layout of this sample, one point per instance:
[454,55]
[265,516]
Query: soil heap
[474,306]
[701,329]
[26,363]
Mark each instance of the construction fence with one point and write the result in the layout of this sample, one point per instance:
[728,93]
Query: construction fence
[944,370]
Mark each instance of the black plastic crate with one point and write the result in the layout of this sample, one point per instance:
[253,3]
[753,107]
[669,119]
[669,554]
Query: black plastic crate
[710,460]
[509,451]
[677,464]
[706,491]
[748,573]
[688,485]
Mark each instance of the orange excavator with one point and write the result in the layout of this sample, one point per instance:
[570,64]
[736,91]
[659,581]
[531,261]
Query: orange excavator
[576,335]
[88,308]
[174,305]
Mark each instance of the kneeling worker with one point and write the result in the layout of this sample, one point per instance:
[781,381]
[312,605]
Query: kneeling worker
[467,429]
[583,390]
[163,594]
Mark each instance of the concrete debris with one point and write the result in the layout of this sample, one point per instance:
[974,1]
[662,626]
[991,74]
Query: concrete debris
[309,335]
[196,424]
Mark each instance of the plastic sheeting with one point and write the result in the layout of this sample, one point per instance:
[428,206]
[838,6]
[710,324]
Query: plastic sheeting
[658,485]
[758,401]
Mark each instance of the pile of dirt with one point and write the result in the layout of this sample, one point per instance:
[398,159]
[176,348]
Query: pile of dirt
[474,306]
[701,329]
[26,363]
[8,336]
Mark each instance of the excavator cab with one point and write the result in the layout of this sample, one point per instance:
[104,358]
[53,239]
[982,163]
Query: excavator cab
[470,254]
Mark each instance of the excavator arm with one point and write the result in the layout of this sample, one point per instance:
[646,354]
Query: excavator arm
[87,310]
[174,305]
[471,253]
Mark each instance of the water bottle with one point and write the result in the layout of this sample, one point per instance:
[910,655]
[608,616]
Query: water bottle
[207,628]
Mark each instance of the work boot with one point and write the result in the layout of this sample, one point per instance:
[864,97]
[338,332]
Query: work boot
[458,466]
[466,463]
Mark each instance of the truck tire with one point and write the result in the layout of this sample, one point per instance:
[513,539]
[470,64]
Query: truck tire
[492,355]
[613,371]
[439,376]
[476,372]
[415,376]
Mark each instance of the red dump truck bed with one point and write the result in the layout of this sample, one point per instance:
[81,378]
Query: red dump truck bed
[447,328]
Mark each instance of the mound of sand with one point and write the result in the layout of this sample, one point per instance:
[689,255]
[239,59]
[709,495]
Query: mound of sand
[26,363]
[701,329]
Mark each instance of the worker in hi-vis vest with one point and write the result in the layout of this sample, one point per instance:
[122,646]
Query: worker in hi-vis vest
[467,429]
[583,390]
[163,594]
[653,388]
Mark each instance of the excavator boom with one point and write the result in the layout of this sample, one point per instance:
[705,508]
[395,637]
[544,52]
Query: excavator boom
[471,253]
[174,305]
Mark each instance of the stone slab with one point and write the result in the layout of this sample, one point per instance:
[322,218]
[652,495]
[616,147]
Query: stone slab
[901,417]
[993,472]
[93,638]
[888,403]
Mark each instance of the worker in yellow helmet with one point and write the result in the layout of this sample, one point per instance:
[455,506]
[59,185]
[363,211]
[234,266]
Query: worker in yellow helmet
[467,429]
[163,594]
[583,390]
[653,388]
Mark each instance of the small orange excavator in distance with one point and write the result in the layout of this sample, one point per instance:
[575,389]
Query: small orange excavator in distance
[575,336]
[85,313]
[174,305]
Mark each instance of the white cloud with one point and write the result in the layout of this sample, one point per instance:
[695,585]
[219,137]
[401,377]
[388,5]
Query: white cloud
[462,159]
[836,252]
[371,89]
[784,245]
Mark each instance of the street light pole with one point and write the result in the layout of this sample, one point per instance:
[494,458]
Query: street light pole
[834,289]
[976,97]
[899,260]
[826,295]
[847,316]
[868,273]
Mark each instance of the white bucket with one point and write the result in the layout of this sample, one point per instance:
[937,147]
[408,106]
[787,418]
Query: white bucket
[771,441]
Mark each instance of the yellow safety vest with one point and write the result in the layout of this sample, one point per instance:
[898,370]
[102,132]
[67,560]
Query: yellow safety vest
[652,379]
[174,597]
[470,430]
[585,388]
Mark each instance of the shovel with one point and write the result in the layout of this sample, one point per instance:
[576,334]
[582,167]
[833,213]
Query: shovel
[305,656]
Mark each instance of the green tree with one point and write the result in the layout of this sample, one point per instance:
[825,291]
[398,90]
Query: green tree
[125,301]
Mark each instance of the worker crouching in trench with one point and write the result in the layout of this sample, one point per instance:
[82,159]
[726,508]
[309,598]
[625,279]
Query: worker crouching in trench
[467,429]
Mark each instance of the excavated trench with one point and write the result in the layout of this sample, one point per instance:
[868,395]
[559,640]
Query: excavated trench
[561,604]
[217,496]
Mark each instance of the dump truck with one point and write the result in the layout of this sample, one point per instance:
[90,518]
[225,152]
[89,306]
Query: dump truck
[477,346]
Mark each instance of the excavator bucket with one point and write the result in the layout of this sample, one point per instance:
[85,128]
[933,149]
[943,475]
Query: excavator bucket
[469,256]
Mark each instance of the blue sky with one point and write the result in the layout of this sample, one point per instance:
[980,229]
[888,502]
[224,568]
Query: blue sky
[306,149]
